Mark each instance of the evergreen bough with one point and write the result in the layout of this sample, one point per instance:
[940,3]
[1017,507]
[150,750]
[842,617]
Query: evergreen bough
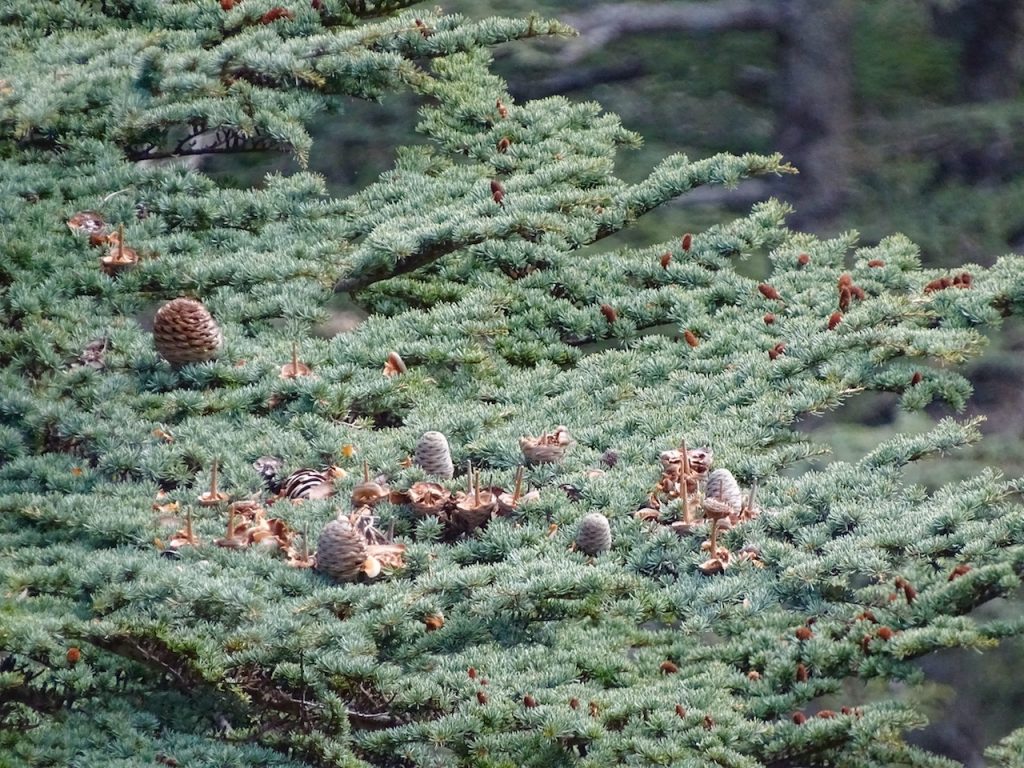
[478,259]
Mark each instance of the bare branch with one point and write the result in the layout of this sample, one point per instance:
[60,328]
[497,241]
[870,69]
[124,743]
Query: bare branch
[606,23]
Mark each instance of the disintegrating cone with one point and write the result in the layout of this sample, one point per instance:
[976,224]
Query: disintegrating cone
[594,535]
[119,259]
[700,459]
[341,551]
[472,511]
[184,332]
[434,455]
[546,449]
[428,498]
[722,486]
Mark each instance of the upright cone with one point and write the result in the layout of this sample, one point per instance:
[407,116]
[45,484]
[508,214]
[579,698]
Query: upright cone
[340,551]
[185,332]
[594,535]
[722,486]
[434,455]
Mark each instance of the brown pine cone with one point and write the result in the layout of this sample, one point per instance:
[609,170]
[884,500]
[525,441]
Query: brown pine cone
[184,332]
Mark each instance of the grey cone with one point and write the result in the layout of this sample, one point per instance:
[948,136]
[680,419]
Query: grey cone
[594,535]
[434,455]
[722,486]
[340,551]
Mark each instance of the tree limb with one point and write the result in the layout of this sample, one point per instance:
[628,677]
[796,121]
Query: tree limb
[606,23]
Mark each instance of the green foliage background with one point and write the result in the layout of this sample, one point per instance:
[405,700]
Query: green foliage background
[499,308]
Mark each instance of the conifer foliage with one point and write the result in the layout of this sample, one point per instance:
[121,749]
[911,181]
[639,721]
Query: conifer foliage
[133,635]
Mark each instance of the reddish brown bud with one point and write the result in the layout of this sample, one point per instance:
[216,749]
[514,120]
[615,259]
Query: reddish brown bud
[845,280]
[481,697]
[472,673]
[502,109]
[801,673]
[803,259]
[74,655]
[884,633]
[424,30]
[965,280]
[529,701]
[959,571]
[708,723]
[227,5]
[777,350]
[666,259]
[316,5]
[275,13]
[753,675]
[857,292]
[681,711]
[867,616]
[799,718]
[609,313]
[876,263]
[574,703]
[804,633]
[826,714]
[691,338]
[768,291]
[687,241]
[834,319]
[504,144]
[908,589]
[593,709]
[916,379]
[844,298]
[769,318]
[668,668]
[497,191]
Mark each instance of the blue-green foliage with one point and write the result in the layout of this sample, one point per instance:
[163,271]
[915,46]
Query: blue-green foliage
[511,321]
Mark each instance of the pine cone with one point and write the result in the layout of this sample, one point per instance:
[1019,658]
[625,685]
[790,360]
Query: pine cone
[722,486]
[340,551]
[184,332]
[434,455]
[594,535]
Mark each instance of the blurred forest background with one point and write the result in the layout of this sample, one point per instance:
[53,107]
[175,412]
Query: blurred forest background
[902,116]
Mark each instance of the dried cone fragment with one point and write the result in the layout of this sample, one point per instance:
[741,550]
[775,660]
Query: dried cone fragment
[475,508]
[186,537]
[296,367]
[594,535]
[700,459]
[546,449]
[368,492]
[120,258]
[508,503]
[428,498]
[433,455]
[184,332]
[213,497]
[86,223]
[341,551]
[394,365]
